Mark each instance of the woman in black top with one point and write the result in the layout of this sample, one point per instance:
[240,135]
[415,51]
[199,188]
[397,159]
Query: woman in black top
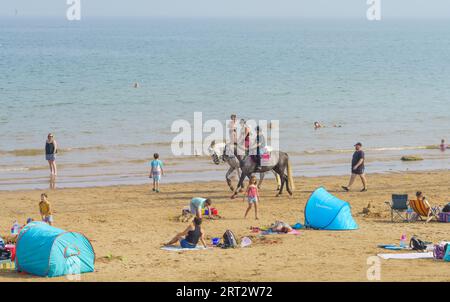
[190,236]
[51,148]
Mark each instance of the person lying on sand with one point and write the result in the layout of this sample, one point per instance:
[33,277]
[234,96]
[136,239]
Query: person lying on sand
[280,227]
[190,236]
[197,205]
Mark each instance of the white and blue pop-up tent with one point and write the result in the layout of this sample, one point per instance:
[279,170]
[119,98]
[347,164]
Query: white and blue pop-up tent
[324,211]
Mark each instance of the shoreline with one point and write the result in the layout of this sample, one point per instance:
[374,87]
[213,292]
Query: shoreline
[114,167]
[268,177]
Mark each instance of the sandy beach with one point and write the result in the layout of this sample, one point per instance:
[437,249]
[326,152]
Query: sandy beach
[128,224]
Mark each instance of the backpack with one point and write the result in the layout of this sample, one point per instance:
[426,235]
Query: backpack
[229,240]
[446,209]
[439,250]
[5,255]
[417,245]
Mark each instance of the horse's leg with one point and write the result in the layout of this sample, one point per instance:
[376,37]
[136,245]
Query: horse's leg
[283,180]
[288,185]
[240,184]
[261,178]
[227,176]
[277,177]
[239,173]
[280,171]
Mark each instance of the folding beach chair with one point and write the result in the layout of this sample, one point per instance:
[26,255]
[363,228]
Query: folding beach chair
[398,206]
[423,209]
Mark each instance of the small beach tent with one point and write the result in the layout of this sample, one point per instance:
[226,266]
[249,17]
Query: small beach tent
[326,212]
[46,251]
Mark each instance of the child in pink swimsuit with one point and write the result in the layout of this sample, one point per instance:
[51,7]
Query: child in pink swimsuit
[252,195]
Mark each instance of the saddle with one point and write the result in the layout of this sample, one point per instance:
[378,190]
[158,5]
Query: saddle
[268,157]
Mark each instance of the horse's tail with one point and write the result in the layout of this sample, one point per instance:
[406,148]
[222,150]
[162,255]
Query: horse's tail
[290,178]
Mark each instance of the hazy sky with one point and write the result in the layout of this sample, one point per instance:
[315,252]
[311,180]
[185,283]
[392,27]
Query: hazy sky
[230,8]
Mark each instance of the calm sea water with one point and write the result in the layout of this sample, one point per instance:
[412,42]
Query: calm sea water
[386,83]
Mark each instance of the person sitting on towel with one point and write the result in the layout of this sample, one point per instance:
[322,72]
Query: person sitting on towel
[190,236]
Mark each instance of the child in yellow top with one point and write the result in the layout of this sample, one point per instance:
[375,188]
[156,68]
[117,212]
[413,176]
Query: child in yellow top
[45,209]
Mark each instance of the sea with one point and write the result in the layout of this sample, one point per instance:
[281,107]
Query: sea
[385,84]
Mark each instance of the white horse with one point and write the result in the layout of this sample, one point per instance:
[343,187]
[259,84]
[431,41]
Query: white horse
[224,152]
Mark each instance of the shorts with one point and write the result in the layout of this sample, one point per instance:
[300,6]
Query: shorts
[252,199]
[156,176]
[186,245]
[193,209]
[49,156]
[358,171]
[48,219]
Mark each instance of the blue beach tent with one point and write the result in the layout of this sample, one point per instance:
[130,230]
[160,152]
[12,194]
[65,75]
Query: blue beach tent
[324,211]
[47,251]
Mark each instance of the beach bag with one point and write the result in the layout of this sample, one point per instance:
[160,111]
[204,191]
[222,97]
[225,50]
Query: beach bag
[417,245]
[5,254]
[446,208]
[229,240]
[439,250]
[444,217]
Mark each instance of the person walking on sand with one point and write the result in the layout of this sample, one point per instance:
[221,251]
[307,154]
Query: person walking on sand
[252,195]
[156,171]
[358,160]
[51,148]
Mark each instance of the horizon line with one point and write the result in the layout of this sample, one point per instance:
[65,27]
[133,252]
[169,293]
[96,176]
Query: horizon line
[362,17]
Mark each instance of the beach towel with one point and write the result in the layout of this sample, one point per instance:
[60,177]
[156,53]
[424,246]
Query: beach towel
[269,232]
[407,256]
[392,247]
[180,249]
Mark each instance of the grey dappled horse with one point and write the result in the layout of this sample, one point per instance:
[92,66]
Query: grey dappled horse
[247,167]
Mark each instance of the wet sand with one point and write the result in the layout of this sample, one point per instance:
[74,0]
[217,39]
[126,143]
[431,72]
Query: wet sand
[127,225]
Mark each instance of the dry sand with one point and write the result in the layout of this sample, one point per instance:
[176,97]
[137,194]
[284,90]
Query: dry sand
[127,224]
